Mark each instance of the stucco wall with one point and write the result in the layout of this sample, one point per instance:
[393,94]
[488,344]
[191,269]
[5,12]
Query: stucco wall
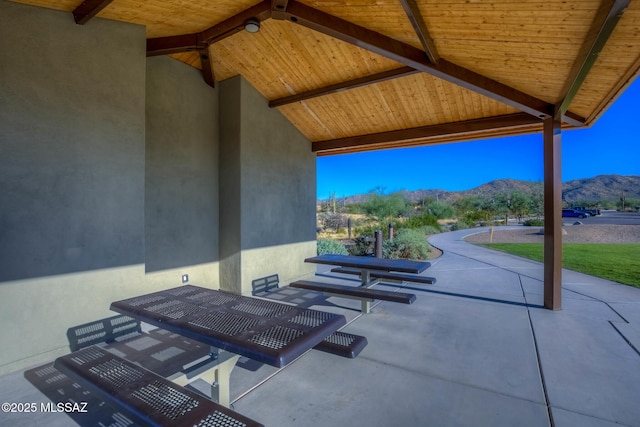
[268,213]
[118,177]
[181,170]
[72,176]
[72,143]
[89,215]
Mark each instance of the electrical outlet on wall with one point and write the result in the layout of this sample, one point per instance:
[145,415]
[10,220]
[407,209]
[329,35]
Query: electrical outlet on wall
[185,278]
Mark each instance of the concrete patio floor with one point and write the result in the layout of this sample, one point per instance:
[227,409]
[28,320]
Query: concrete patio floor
[475,349]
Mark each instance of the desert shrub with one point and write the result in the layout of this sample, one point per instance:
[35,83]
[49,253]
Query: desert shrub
[428,230]
[326,246]
[361,247]
[333,220]
[535,222]
[460,225]
[419,221]
[354,208]
[369,230]
[474,217]
[407,244]
[625,204]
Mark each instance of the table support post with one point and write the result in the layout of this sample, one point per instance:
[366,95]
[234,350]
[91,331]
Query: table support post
[220,386]
[366,306]
[365,277]
[218,376]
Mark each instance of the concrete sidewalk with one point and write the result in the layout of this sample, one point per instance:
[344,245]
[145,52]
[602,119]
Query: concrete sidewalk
[475,349]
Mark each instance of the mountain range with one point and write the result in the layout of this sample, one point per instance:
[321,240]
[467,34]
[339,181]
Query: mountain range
[600,188]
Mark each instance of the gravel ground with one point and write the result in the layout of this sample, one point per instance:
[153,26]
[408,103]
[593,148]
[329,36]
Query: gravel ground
[584,233]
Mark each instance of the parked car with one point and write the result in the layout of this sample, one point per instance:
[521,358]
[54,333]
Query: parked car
[590,211]
[574,213]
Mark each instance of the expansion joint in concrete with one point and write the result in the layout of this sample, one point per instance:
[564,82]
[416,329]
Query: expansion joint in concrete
[535,344]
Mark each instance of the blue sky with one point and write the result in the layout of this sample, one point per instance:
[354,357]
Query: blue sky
[610,146]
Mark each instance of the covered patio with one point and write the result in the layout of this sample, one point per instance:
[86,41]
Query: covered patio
[477,348]
[151,143]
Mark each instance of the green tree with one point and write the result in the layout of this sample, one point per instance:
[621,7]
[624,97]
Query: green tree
[440,209]
[473,209]
[516,204]
[537,201]
[469,204]
[382,206]
[520,204]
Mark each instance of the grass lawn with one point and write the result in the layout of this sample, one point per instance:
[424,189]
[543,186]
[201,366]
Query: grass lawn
[617,262]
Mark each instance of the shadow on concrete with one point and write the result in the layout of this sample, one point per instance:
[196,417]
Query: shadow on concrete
[433,291]
[302,298]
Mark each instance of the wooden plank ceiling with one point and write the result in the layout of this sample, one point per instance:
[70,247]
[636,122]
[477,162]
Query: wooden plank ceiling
[363,75]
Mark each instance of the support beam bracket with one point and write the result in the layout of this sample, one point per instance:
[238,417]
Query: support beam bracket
[88,9]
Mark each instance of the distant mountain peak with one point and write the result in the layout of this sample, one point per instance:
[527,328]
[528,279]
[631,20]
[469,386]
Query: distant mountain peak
[598,188]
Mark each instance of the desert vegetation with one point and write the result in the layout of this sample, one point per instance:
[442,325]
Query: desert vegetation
[353,226]
[606,251]
[413,216]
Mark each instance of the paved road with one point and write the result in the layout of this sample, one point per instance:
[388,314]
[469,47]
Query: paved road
[611,217]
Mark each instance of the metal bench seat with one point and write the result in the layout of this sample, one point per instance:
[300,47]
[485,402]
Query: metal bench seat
[165,353]
[144,395]
[343,344]
[61,389]
[398,277]
[362,293]
[264,284]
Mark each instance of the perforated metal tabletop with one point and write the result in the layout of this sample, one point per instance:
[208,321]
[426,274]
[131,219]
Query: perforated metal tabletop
[371,263]
[266,331]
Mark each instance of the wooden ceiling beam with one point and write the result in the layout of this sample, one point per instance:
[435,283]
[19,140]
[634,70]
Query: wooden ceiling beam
[602,26]
[220,31]
[573,119]
[235,24]
[445,129]
[413,57]
[342,86]
[174,44]
[419,26]
[88,9]
[207,69]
